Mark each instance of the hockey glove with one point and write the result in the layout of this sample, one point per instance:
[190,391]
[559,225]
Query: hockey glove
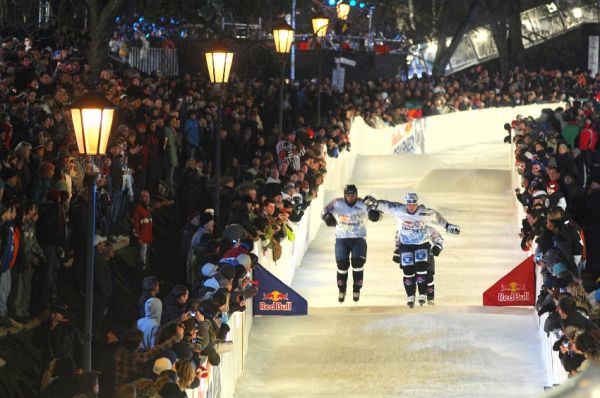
[329,220]
[374,215]
[370,201]
[453,229]
[436,250]
[396,257]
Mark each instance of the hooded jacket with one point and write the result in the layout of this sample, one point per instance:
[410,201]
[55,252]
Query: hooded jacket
[150,324]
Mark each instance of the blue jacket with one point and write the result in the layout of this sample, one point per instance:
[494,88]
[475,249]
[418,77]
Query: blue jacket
[192,132]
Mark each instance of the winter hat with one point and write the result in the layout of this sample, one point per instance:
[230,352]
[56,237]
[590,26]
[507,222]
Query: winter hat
[61,186]
[205,218]
[553,185]
[594,297]
[558,268]
[60,308]
[161,364]
[98,239]
[182,351]
[228,271]
[244,259]
[179,290]
[171,355]
[212,283]
[539,194]
[209,269]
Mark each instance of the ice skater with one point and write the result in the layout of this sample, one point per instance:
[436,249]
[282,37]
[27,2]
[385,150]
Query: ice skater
[413,247]
[348,215]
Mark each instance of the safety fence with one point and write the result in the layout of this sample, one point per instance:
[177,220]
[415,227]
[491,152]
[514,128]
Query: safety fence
[149,60]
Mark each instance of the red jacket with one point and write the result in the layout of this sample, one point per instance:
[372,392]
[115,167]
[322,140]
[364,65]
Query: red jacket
[587,139]
[141,220]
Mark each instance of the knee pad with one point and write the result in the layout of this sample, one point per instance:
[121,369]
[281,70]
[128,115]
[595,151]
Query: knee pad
[358,263]
[343,265]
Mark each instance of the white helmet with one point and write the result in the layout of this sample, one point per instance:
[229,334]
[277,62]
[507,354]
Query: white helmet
[411,198]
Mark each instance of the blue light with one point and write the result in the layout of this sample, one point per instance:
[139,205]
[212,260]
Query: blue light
[332,2]
[141,19]
[352,3]
[361,5]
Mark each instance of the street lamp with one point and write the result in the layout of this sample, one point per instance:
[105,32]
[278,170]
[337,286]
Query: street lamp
[218,62]
[283,35]
[343,9]
[92,117]
[319,23]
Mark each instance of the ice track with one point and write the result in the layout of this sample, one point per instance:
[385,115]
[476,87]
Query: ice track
[380,348]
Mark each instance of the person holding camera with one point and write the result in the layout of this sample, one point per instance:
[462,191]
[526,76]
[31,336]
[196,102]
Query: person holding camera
[348,215]
[413,248]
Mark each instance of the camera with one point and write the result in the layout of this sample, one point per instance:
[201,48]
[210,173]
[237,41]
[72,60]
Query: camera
[565,343]
[192,314]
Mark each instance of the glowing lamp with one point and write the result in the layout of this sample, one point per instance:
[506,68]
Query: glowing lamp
[92,117]
[283,35]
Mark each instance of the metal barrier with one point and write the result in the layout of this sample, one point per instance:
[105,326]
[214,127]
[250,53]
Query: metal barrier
[154,59]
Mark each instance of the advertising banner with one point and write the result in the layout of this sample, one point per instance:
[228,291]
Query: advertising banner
[275,297]
[517,288]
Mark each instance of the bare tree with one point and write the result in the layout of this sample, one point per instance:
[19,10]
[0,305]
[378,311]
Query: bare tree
[102,15]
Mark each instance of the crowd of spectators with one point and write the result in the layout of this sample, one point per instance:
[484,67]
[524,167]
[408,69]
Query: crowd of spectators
[162,152]
[559,164]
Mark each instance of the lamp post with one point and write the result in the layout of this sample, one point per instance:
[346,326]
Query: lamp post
[218,62]
[92,117]
[283,35]
[320,22]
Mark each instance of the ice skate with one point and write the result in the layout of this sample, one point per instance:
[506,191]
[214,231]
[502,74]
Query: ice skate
[422,299]
[356,296]
[341,297]
[430,301]
[411,301]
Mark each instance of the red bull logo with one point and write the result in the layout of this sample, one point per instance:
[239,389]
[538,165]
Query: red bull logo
[279,302]
[513,291]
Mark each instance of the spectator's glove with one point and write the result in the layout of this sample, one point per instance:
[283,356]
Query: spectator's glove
[453,229]
[329,220]
[370,200]
[396,257]
[436,250]
[374,215]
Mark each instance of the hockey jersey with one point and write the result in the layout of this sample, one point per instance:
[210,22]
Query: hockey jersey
[412,228]
[351,220]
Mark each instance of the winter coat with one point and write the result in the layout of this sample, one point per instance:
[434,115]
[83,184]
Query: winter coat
[172,148]
[587,139]
[10,246]
[150,324]
[30,250]
[172,309]
[142,223]
[51,224]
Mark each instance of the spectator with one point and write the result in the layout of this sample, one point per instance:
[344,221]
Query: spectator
[142,227]
[150,289]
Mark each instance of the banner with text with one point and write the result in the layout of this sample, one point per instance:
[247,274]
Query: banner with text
[275,297]
[515,288]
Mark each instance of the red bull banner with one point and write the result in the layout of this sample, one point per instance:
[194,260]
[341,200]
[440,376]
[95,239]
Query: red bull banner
[275,297]
[517,288]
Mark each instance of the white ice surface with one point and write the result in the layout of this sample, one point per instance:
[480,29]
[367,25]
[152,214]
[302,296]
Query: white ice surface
[380,348]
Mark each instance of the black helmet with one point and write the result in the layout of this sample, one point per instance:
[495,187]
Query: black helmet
[350,189]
